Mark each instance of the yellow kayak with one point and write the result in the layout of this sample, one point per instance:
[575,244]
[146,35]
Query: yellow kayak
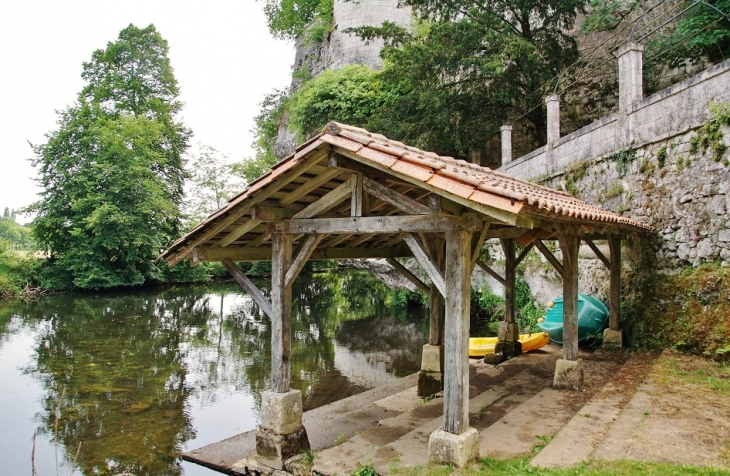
[481,346]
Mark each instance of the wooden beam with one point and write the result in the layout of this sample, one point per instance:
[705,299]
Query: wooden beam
[508,246]
[281,316]
[436,299]
[356,197]
[242,209]
[524,253]
[271,214]
[210,254]
[549,256]
[408,274]
[614,304]
[439,204]
[507,232]
[238,232]
[477,243]
[394,198]
[456,341]
[389,224]
[569,245]
[491,272]
[342,163]
[308,186]
[434,273]
[329,200]
[302,257]
[257,296]
[598,253]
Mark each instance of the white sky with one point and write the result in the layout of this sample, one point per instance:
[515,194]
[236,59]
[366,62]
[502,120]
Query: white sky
[224,59]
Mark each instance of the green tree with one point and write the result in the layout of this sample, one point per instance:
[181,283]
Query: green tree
[6,213]
[287,19]
[471,67]
[112,174]
[212,184]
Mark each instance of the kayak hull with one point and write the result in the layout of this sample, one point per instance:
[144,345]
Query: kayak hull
[481,346]
[592,319]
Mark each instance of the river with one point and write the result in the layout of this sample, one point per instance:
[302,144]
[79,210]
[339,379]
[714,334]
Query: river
[109,383]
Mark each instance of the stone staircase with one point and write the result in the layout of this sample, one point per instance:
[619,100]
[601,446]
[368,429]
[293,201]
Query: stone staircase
[514,408]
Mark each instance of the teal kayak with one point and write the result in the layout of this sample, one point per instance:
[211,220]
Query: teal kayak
[592,319]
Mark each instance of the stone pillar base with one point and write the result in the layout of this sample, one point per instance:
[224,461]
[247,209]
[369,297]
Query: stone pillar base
[281,434]
[613,338]
[273,450]
[503,351]
[568,374]
[459,450]
[430,383]
[508,331]
[432,358]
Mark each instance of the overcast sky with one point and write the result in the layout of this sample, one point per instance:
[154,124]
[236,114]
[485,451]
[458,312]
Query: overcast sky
[225,61]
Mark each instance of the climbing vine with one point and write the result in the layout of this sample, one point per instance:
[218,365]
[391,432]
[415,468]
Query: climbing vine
[710,136]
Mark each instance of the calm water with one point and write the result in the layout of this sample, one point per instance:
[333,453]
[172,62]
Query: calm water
[125,382]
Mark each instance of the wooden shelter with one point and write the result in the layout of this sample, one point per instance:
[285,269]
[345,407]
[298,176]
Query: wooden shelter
[348,193]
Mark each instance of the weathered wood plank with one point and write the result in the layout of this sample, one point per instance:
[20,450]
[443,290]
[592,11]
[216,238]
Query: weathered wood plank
[614,305]
[256,294]
[387,224]
[210,254]
[281,306]
[524,253]
[395,199]
[436,309]
[569,245]
[549,256]
[434,273]
[238,232]
[439,204]
[307,187]
[456,341]
[408,274]
[329,200]
[510,265]
[477,242]
[491,272]
[242,209]
[598,253]
[302,257]
[271,214]
[356,197]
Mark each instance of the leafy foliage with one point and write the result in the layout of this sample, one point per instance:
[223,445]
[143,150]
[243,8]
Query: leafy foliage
[351,95]
[702,33]
[470,68]
[15,235]
[608,14]
[211,184]
[112,174]
[287,19]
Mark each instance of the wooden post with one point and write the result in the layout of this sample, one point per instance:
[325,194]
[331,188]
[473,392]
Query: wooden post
[569,245]
[456,344]
[436,327]
[509,279]
[614,245]
[281,306]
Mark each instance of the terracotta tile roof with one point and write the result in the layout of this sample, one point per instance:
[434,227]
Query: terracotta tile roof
[463,179]
[479,188]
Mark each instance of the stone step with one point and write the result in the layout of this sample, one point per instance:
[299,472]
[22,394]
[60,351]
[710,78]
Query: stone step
[579,438]
[488,384]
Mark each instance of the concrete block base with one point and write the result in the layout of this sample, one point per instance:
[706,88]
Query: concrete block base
[430,383]
[568,374]
[432,358]
[273,449]
[281,413]
[459,450]
[508,331]
[613,338]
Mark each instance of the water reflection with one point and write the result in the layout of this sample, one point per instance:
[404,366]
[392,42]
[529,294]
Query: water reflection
[125,376]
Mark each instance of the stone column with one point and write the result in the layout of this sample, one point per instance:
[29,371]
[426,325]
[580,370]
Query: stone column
[553,118]
[630,78]
[506,143]
[613,336]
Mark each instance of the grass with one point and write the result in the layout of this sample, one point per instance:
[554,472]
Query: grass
[521,466]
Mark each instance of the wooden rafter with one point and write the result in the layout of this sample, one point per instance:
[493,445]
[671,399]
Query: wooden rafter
[549,256]
[433,271]
[598,253]
[256,294]
[394,224]
[302,257]
[211,254]
[408,274]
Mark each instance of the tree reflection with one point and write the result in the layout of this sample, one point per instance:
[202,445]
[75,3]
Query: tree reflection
[119,369]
